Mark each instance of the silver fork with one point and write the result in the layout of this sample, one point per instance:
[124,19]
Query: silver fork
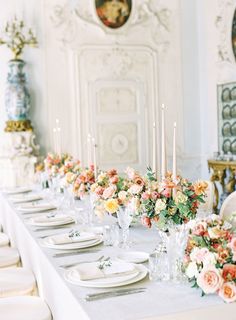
[65,266]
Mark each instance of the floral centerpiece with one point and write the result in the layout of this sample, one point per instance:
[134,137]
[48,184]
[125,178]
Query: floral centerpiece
[210,259]
[110,190]
[82,181]
[168,202]
[53,162]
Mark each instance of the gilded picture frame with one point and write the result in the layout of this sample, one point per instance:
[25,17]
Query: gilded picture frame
[113,13]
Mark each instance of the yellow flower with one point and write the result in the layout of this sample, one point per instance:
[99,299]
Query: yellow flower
[111,205]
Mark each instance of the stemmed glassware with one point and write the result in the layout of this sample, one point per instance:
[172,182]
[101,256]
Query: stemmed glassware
[125,217]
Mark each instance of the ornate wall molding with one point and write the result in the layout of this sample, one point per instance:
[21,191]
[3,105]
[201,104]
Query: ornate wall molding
[71,17]
[223,23]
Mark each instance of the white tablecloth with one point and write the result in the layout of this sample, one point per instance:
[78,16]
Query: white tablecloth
[66,301]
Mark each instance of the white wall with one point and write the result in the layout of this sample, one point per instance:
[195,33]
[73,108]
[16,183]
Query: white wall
[187,76]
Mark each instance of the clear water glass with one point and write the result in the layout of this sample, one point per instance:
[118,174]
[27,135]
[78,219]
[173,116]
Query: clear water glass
[111,235]
[87,208]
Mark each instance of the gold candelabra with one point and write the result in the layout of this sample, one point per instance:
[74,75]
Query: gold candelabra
[16,37]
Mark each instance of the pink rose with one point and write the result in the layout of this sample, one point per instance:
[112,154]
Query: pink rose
[109,192]
[155,195]
[135,189]
[146,196]
[200,229]
[210,279]
[198,255]
[167,192]
[232,246]
[228,292]
[130,173]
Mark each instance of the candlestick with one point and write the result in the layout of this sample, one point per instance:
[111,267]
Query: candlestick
[94,157]
[174,169]
[163,143]
[154,147]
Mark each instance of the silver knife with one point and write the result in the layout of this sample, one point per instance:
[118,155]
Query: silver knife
[111,294]
[71,253]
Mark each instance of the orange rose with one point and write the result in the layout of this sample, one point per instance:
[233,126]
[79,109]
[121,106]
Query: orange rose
[229,272]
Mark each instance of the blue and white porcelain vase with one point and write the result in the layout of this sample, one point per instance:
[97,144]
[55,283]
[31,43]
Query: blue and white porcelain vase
[17,98]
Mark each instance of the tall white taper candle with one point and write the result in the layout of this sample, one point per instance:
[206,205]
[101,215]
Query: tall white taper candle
[163,143]
[174,169]
[94,157]
[154,168]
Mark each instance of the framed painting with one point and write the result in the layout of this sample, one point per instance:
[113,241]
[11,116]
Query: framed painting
[113,13]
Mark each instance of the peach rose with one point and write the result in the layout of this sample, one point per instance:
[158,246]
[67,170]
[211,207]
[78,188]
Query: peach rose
[210,279]
[228,292]
[122,195]
[109,192]
[229,272]
[111,173]
[99,190]
[146,221]
[114,179]
[135,189]
[138,180]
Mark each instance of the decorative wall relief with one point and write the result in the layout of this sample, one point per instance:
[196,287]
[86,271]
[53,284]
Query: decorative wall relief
[113,13]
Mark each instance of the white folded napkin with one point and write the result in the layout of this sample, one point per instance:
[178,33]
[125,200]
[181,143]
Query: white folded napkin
[25,198]
[91,271]
[56,218]
[16,190]
[65,238]
[36,206]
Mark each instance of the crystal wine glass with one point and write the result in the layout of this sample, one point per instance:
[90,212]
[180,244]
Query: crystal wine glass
[125,217]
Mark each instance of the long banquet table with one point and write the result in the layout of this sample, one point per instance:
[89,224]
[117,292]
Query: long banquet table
[161,301]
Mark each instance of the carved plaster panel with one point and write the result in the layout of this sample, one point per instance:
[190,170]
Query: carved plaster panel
[74,17]
[116,100]
[118,143]
[223,24]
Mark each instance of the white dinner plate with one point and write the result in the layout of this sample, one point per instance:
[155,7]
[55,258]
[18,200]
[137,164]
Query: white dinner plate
[36,207]
[16,190]
[51,221]
[25,198]
[110,282]
[69,246]
[133,256]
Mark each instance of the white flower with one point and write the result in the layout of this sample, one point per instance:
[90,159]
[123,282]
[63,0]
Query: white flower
[192,270]
[180,198]
[160,205]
